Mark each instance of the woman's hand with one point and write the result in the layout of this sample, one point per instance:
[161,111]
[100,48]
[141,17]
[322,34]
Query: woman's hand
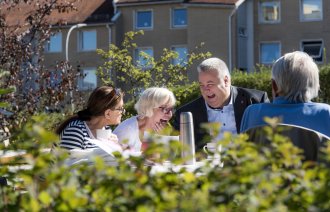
[113,138]
[159,126]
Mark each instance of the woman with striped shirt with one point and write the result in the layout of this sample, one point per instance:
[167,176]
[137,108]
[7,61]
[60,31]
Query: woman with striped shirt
[104,107]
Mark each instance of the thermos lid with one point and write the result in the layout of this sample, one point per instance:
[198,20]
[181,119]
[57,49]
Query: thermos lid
[185,117]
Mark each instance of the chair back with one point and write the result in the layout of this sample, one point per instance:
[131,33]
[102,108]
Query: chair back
[306,139]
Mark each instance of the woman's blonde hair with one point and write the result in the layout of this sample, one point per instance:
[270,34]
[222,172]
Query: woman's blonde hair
[153,98]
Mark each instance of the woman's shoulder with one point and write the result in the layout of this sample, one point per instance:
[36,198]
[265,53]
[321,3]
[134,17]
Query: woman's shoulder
[129,121]
[126,124]
[76,124]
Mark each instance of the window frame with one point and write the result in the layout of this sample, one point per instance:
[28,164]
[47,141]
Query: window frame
[261,18]
[302,15]
[173,26]
[137,56]
[315,57]
[269,42]
[81,82]
[186,59]
[48,43]
[136,19]
[81,40]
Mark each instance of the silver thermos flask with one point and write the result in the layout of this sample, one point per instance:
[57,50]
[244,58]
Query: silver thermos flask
[187,137]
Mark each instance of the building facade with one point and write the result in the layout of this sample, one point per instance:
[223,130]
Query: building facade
[180,26]
[283,26]
[87,29]
[244,33]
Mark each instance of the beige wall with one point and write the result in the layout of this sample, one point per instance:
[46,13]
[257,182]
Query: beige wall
[208,25]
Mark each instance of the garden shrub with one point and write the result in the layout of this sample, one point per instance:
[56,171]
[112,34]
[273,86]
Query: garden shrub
[254,178]
[324,94]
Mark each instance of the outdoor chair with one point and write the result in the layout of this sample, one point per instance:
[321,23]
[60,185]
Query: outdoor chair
[306,139]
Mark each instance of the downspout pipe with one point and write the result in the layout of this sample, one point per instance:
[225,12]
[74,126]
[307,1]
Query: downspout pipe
[230,60]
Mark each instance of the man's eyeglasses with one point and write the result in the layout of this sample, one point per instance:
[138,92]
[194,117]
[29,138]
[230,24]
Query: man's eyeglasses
[121,109]
[167,110]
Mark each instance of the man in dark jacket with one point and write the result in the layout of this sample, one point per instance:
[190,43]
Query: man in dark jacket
[220,101]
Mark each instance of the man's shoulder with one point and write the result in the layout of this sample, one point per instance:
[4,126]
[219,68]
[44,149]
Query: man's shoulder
[255,95]
[249,91]
[192,104]
[319,106]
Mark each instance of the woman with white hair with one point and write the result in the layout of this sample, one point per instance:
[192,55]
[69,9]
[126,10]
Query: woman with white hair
[154,110]
[295,82]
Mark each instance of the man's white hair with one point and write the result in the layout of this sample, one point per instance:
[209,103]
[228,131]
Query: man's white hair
[296,76]
[214,64]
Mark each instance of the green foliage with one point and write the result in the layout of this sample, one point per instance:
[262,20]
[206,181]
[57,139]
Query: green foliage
[254,178]
[4,91]
[324,94]
[260,80]
[22,44]
[136,77]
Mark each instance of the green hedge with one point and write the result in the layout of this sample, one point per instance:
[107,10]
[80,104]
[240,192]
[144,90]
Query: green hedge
[254,178]
[324,95]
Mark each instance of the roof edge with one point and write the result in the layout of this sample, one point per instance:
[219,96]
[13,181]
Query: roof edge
[148,3]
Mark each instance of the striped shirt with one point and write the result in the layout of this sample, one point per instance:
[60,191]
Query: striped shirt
[74,136]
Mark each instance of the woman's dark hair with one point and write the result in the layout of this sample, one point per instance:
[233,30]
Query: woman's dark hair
[101,99]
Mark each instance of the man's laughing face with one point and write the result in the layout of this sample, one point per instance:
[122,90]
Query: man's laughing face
[215,91]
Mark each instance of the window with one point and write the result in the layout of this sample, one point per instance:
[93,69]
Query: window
[182,56]
[314,49]
[87,40]
[143,20]
[88,80]
[179,17]
[55,43]
[144,57]
[269,52]
[269,11]
[242,32]
[311,10]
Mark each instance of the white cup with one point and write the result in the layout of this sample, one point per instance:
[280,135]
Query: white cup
[210,148]
[103,134]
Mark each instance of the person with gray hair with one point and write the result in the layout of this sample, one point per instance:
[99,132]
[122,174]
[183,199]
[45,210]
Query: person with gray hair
[295,82]
[220,102]
[154,110]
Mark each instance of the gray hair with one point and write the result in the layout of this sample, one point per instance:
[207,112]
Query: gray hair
[214,64]
[296,76]
[153,98]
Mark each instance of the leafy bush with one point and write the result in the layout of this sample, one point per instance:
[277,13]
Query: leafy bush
[260,80]
[324,95]
[254,178]
[22,43]
[135,77]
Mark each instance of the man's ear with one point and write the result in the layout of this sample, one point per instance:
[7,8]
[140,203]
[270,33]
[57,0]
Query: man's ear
[226,81]
[274,89]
